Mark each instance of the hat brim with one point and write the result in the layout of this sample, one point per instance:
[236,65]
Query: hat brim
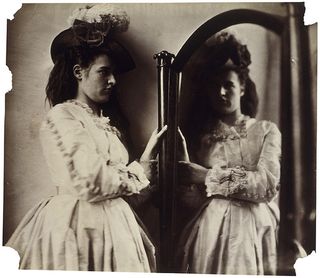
[119,54]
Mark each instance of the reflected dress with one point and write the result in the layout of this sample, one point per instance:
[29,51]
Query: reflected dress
[87,226]
[235,232]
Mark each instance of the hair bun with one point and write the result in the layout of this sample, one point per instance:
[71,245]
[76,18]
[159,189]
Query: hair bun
[226,44]
[244,56]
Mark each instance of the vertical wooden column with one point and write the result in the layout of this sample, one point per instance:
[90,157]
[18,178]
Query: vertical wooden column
[167,115]
[297,196]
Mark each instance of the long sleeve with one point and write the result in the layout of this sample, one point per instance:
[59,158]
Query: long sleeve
[73,158]
[258,185]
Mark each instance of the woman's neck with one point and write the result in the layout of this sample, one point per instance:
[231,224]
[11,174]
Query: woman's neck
[93,105]
[231,119]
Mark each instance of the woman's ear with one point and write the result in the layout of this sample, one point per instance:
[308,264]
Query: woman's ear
[77,72]
[241,90]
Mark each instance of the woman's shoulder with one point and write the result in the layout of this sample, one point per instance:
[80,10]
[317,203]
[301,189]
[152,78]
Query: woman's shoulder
[63,110]
[265,123]
[264,126]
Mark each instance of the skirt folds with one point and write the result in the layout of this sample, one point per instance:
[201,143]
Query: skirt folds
[231,237]
[64,233]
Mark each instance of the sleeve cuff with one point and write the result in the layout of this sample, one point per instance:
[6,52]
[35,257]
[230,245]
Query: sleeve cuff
[225,182]
[213,183]
[136,169]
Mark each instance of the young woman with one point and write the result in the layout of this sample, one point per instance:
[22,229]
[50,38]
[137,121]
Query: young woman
[88,225]
[235,167]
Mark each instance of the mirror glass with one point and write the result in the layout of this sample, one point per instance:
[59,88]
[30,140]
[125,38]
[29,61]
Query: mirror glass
[265,49]
[239,155]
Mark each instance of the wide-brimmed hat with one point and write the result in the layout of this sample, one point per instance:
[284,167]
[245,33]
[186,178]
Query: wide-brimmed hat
[95,28]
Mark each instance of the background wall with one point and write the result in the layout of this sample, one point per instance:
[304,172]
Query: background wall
[153,28]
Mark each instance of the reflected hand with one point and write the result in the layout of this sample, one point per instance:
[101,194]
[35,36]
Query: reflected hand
[183,150]
[191,173]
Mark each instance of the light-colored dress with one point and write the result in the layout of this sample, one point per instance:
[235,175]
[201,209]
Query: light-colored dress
[87,226]
[236,233]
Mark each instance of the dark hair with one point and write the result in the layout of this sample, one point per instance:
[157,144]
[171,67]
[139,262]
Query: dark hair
[62,84]
[213,60]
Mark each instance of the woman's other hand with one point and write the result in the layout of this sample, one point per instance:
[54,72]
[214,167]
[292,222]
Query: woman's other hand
[191,173]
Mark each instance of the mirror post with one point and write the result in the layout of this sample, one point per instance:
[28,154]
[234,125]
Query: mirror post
[166,116]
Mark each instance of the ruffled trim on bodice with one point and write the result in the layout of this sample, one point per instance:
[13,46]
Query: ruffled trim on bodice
[101,121]
[222,131]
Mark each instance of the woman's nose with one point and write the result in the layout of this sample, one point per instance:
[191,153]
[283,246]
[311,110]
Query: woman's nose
[223,92]
[112,80]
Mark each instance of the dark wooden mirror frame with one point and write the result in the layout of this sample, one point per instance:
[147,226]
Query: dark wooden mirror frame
[298,134]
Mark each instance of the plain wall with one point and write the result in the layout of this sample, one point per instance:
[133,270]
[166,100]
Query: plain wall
[153,28]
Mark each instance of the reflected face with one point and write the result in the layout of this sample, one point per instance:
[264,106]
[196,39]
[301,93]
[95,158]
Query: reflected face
[97,81]
[224,91]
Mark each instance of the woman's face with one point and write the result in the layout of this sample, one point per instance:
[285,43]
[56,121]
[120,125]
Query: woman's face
[224,91]
[96,82]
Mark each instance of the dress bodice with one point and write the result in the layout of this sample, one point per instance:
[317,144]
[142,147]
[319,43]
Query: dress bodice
[244,158]
[83,150]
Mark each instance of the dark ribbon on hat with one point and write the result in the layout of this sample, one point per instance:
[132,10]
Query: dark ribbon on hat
[93,34]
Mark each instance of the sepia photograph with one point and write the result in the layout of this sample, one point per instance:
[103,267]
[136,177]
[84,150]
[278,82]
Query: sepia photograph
[161,137]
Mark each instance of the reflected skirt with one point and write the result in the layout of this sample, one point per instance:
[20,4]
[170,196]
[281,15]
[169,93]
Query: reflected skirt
[231,237]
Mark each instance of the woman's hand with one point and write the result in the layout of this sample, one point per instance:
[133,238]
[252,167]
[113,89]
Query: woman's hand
[148,158]
[191,173]
[151,150]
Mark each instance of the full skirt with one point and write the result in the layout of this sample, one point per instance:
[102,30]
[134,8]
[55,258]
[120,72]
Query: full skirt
[65,233]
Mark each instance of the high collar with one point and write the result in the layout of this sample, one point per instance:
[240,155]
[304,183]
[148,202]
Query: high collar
[86,107]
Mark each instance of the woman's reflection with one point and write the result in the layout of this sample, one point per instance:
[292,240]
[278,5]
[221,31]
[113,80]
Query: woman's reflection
[234,170]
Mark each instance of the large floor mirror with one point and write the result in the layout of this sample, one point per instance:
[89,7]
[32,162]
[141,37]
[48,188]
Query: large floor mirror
[280,69]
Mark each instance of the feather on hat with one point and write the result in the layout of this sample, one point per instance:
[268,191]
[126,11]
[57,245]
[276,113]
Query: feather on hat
[96,26]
